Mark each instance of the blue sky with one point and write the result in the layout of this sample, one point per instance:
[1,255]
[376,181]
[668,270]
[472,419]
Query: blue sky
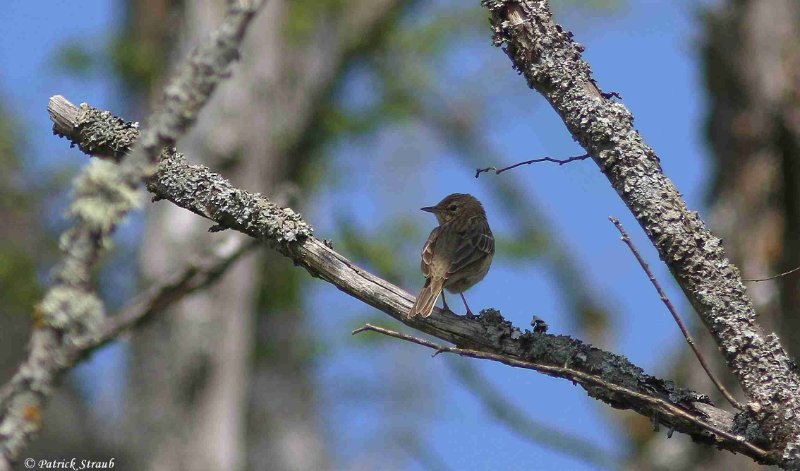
[646,51]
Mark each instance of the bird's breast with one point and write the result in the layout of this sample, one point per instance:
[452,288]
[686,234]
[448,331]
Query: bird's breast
[460,282]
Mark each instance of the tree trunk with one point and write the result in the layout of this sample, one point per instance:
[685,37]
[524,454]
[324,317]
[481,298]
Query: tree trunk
[192,369]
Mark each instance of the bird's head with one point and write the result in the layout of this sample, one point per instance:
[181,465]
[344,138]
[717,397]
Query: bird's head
[456,205]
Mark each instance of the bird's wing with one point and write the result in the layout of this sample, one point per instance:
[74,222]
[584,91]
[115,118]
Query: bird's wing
[427,252]
[475,242]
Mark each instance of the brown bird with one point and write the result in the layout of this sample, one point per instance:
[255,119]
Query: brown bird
[457,254]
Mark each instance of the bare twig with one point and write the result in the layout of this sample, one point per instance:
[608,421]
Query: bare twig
[564,372]
[497,171]
[671,308]
[756,280]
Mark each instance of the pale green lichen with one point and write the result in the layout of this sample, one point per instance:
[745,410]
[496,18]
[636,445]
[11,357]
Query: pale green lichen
[73,310]
[102,196]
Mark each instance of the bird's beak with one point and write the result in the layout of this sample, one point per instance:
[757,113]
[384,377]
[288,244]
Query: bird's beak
[429,209]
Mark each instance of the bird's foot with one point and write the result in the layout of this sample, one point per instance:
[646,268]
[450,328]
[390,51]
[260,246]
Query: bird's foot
[445,306]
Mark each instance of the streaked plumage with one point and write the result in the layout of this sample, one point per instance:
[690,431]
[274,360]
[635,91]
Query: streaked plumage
[458,252]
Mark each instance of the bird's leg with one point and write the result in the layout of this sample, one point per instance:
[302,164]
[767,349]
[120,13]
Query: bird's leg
[444,303]
[470,315]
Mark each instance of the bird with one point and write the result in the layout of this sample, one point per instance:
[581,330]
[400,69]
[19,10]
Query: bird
[457,254]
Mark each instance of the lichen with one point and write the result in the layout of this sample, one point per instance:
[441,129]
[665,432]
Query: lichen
[75,311]
[100,133]
[201,191]
[102,197]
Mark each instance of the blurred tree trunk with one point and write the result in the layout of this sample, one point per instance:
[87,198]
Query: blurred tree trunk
[191,369]
[224,381]
[752,72]
[753,76]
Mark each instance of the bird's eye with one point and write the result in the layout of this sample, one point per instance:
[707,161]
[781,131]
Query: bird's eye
[452,207]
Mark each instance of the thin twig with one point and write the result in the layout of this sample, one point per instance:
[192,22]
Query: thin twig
[497,171]
[566,372]
[756,280]
[674,312]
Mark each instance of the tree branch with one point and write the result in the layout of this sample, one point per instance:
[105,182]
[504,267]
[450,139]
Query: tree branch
[70,314]
[209,195]
[551,63]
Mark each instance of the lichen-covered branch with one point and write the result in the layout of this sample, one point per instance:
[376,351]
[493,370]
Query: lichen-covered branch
[70,315]
[551,62]
[209,195]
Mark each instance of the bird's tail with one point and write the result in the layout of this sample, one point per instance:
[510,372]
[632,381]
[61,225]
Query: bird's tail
[423,306]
